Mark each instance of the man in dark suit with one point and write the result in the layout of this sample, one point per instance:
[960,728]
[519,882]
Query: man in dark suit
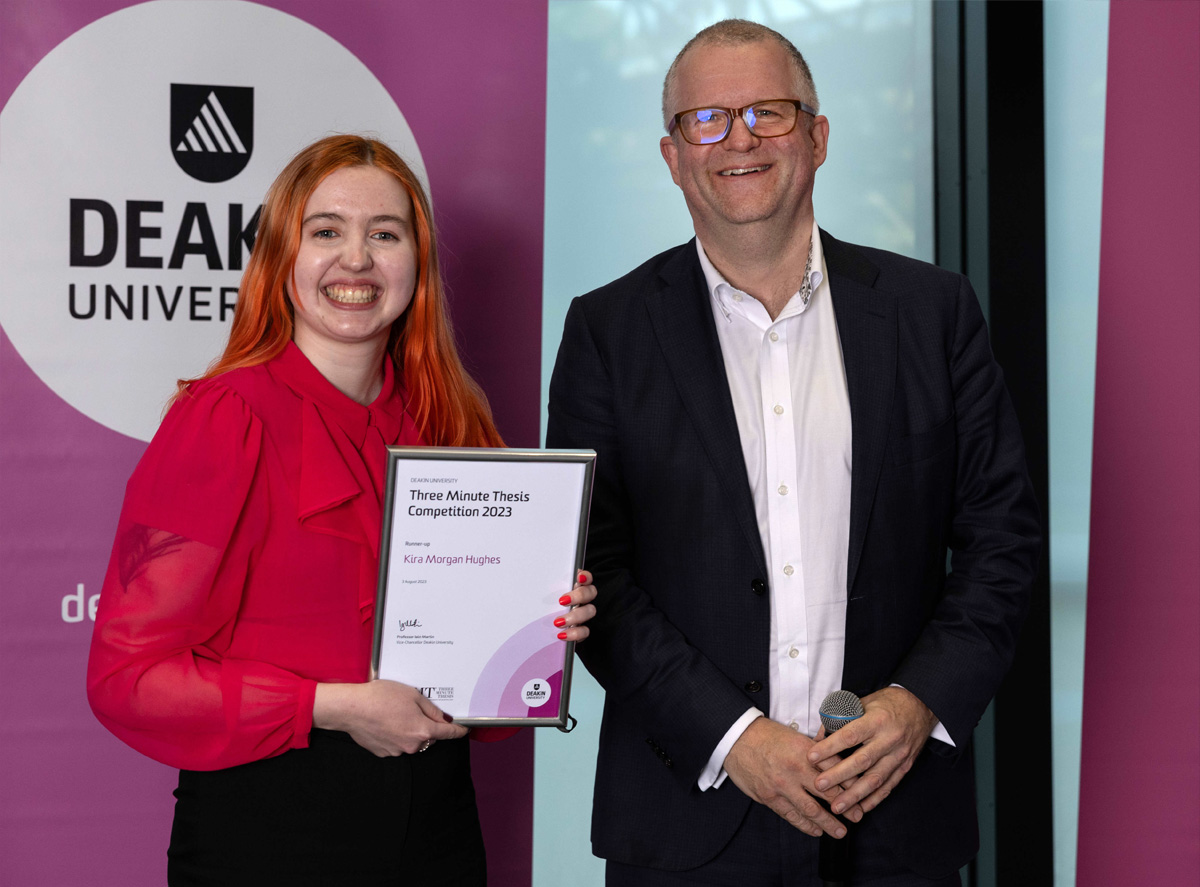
[792,433]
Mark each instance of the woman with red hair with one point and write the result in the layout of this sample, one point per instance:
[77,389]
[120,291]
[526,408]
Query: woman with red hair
[234,630]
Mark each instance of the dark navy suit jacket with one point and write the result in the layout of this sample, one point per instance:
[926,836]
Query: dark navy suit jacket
[681,640]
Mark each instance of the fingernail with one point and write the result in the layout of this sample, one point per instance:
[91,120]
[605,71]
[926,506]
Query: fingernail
[840,832]
[839,807]
[560,622]
[562,635]
[582,578]
[822,784]
[565,600]
[447,717]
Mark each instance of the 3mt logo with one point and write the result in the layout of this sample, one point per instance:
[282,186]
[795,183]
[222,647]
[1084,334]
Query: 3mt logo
[212,129]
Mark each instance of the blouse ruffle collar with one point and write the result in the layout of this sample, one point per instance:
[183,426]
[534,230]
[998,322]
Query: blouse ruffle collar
[343,452]
[386,411]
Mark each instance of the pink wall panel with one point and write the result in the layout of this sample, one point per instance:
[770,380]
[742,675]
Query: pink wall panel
[1139,819]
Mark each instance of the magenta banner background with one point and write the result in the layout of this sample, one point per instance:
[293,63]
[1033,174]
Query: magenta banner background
[1140,773]
[76,806]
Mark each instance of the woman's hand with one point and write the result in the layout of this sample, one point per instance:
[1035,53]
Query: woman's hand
[384,717]
[579,599]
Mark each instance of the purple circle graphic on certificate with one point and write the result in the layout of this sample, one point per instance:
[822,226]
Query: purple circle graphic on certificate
[501,691]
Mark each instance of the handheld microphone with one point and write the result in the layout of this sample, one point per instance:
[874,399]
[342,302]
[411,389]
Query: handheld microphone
[839,708]
[833,861]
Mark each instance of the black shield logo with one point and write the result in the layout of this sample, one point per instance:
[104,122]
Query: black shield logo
[212,129]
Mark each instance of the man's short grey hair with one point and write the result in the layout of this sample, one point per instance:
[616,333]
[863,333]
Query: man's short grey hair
[738,32]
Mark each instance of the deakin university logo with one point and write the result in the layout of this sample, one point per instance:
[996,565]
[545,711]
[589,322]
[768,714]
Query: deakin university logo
[212,129]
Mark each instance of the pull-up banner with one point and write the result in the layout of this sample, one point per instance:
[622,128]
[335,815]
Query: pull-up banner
[136,143]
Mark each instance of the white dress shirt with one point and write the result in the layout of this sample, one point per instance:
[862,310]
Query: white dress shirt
[788,385]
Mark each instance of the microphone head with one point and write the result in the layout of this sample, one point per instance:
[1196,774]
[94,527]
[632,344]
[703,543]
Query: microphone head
[840,708]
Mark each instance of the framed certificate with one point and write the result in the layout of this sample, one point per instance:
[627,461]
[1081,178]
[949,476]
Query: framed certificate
[478,547]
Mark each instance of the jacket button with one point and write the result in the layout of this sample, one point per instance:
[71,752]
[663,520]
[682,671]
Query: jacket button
[758,587]
[753,687]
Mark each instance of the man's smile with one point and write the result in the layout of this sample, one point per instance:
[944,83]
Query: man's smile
[744,170]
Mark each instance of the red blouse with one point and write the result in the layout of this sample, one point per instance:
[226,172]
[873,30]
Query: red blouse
[245,565]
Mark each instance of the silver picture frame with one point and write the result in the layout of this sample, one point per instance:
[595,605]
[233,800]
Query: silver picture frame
[453,499]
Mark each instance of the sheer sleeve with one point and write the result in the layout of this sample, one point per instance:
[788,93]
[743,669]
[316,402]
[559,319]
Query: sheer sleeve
[158,676]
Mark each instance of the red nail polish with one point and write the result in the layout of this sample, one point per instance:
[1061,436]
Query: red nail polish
[562,635]
[560,622]
[582,578]
[447,717]
[565,600]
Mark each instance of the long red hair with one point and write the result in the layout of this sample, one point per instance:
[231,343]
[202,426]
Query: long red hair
[448,406]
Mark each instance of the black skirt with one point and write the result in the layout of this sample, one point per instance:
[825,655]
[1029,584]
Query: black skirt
[330,814]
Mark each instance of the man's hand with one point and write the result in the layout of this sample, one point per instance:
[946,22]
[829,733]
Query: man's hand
[891,732]
[768,764]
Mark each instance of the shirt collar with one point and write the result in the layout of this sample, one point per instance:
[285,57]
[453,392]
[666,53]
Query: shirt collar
[726,296]
[386,411]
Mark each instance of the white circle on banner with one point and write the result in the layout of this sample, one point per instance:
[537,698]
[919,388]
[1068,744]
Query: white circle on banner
[144,141]
[536,692]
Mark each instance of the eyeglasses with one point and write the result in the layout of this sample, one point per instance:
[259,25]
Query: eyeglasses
[767,120]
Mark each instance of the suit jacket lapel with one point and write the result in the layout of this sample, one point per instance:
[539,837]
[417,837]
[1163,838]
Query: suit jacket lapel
[867,328]
[683,323]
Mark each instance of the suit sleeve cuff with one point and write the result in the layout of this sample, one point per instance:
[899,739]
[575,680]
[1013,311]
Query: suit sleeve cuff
[940,733]
[714,773]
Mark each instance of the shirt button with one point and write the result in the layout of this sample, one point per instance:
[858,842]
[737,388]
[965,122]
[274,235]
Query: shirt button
[774,337]
[737,297]
[783,489]
[794,726]
[793,653]
[789,570]
[778,410]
